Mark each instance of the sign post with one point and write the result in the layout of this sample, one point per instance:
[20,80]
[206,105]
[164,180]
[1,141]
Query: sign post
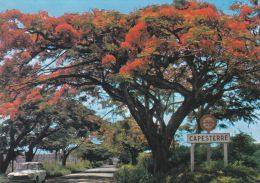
[207,138]
[208,122]
[225,154]
[192,150]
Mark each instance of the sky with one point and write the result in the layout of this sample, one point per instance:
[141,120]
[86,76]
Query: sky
[59,7]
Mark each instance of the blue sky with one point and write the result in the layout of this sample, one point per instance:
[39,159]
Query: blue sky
[59,7]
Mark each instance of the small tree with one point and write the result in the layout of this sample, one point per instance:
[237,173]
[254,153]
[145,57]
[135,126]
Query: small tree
[66,140]
[125,136]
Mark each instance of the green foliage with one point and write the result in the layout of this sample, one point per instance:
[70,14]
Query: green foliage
[94,152]
[145,161]
[213,166]
[95,164]
[256,157]
[79,166]
[179,4]
[125,157]
[2,179]
[180,156]
[54,169]
[131,173]
[215,172]
[240,170]
[125,138]
[226,179]
[137,173]
[242,144]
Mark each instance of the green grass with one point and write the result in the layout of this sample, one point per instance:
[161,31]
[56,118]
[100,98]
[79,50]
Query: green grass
[78,167]
[3,179]
[55,169]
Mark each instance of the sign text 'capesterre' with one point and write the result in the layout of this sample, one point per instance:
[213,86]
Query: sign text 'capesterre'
[209,138]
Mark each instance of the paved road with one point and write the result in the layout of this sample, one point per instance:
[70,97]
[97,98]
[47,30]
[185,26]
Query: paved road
[96,175]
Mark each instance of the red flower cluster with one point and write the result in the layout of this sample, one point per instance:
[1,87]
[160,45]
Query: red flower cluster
[108,59]
[246,10]
[56,97]
[35,95]
[134,35]
[66,28]
[136,65]
[237,26]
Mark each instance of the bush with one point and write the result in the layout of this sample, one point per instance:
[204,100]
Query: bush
[223,179]
[238,170]
[131,173]
[145,161]
[2,179]
[137,174]
[213,166]
[95,164]
[55,169]
[215,172]
[180,156]
[78,167]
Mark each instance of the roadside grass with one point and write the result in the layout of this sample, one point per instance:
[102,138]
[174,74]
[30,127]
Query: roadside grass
[78,167]
[55,169]
[258,178]
[3,179]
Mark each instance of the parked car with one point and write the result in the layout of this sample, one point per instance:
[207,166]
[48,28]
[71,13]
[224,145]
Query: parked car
[30,172]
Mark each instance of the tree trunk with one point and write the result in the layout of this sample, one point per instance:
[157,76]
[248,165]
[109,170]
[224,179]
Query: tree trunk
[64,157]
[4,165]
[134,155]
[64,161]
[56,155]
[160,153]
[1,158]
[29,155]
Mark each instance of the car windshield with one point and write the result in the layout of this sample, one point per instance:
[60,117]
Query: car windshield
[27,167]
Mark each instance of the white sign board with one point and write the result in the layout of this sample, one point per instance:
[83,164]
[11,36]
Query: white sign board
[208,138]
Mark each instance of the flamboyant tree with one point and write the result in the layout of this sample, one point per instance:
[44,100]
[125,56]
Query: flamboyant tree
[34,121]
[68,113]
[162,62]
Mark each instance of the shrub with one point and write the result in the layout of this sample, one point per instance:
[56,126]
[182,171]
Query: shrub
[212,166]
[78,167]
[2,179]
[215,172]
[126,174]
[137,174]
[223,179]
[95,164]
[145,161]
[180,156]
[238,170]
[54,169]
